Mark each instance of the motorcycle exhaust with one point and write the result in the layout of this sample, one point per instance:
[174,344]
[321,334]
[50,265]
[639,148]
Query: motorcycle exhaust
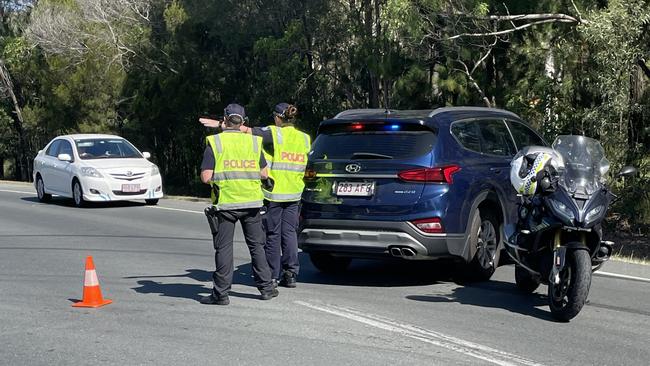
[604,252]
[602,255]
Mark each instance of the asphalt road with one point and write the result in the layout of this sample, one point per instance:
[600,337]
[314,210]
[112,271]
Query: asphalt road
[155,262]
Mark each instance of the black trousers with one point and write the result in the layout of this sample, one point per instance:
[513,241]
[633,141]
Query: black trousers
[251,222]
[281,237]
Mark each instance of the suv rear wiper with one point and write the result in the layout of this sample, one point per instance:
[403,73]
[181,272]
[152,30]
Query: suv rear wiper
[369,155]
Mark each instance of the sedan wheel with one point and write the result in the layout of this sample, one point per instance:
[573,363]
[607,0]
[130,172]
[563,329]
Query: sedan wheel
[40,191]
[77,194]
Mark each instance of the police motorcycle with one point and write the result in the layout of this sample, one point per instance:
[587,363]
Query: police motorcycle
[557,240]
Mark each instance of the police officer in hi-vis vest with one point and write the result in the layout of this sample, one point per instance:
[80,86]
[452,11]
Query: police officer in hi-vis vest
[286,149]
[234,163]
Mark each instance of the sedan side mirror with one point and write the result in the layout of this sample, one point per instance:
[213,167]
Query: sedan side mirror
[146,155]
[627,171]
[65,157]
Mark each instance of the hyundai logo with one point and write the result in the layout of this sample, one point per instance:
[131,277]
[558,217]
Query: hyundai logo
[353,168]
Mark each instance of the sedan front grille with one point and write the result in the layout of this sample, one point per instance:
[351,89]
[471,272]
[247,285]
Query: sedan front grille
[127,177]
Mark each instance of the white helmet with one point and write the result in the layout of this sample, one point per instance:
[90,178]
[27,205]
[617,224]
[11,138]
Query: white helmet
[527,167]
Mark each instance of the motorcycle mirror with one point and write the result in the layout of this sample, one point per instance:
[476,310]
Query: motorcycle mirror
[627,171]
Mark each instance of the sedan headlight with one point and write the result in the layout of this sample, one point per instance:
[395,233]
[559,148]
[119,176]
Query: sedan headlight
[155,170]
[91,172]
[563,212]
[594,214]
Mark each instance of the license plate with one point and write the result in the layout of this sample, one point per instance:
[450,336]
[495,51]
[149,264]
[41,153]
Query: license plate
[130,188]
[361,189]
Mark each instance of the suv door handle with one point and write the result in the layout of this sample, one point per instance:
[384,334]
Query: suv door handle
[496,170]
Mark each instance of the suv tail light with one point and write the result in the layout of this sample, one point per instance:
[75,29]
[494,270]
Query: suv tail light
[429,226]
[431,175]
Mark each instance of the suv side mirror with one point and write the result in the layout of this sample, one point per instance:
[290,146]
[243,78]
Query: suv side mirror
[627,171]
[64,157]
[146,155]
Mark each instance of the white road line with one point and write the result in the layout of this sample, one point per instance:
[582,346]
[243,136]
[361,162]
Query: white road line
[624,277]
[438,339]
[175,209]
[20,192]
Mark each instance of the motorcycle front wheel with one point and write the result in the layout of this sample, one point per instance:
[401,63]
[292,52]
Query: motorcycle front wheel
[567,298]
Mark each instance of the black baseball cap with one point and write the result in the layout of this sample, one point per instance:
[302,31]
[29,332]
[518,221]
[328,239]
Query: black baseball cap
[235,109]
[280,108]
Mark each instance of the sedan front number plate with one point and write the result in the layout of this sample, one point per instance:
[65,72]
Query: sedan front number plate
[360,189]
[130,188]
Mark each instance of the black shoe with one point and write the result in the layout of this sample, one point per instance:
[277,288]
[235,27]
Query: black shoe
[211,300]
[268,295]
[288,280]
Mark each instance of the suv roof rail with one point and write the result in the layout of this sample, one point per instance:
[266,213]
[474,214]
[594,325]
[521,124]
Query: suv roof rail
[470,109]
[351,112]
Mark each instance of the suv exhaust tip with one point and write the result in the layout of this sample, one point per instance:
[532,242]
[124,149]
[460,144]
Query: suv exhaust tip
[395,252]
[402,252]
[408,252]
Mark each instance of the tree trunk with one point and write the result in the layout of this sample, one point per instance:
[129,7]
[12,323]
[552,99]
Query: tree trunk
[22,165]
[635,116]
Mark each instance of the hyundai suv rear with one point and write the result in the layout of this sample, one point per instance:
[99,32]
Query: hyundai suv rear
[416,185]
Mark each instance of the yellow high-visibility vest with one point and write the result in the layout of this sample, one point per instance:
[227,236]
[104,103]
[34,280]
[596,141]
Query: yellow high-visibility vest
[236,170]
[287,165]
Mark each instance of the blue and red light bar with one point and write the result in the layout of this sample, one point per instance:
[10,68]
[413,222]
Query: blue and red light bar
[375,127]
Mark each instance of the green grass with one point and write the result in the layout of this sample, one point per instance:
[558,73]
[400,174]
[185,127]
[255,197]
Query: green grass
[631,259]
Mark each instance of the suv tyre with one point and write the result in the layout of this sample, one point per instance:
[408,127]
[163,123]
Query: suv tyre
[485,237]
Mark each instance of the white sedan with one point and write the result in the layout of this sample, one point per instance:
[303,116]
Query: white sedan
[95,168]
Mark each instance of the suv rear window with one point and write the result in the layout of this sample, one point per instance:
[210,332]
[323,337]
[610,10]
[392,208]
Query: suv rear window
[373,145]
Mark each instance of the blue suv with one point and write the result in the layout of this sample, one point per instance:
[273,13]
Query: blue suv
[416,184]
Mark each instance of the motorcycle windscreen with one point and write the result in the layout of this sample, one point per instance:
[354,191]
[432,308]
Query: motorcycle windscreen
[584,163]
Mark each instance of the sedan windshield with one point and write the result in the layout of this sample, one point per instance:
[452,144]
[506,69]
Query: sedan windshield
[106,148]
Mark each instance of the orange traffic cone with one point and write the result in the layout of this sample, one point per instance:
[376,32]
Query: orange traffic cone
[92,293]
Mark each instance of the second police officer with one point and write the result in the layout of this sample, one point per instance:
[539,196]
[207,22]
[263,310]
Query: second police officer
[286,148]
[234,163]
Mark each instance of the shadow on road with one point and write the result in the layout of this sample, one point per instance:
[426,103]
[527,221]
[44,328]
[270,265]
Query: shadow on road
[243,275]
[182,290]
[68,202]
[493,294]
[360,273]
[379,273]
